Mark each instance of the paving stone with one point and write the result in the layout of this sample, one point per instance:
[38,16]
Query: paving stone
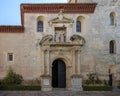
[59,93]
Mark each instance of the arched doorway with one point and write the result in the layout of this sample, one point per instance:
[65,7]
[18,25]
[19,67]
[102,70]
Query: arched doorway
[58,74]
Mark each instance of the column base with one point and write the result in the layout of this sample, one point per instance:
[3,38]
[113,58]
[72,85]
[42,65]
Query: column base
[46,83]
[76,82]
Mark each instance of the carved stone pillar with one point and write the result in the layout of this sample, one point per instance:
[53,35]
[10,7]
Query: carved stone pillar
[73,61]
[46,78]
[78,65]
[76,62]
[48,62]
[45,62]
[76,77]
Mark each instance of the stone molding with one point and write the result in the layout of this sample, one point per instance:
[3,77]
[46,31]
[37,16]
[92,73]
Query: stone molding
[76,76]
[46,76]
[84,8]
[77,40]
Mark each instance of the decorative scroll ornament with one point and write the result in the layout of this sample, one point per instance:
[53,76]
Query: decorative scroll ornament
[77,39]
[46,39]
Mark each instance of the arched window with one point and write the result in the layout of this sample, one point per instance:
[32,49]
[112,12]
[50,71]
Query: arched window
[78,26]
[112,46]
[40,26]
[40,23]
[112,18]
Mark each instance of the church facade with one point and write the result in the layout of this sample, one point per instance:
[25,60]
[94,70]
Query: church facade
[60,44]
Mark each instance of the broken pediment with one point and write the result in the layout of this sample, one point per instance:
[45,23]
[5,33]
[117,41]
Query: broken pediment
[77,39]
[59,20]
[46,39]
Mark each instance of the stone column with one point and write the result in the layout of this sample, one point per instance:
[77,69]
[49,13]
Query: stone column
[78,65]
[76,62]
[73,61]
[48,62]
[45,62]
[46,78]
[76,77]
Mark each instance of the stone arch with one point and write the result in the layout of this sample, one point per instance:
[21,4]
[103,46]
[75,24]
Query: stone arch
[81,19]
[64,59]
[42,18]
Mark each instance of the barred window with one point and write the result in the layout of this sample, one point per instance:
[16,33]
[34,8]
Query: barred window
[10,56]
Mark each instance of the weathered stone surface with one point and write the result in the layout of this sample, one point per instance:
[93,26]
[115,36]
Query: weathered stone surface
[94,54]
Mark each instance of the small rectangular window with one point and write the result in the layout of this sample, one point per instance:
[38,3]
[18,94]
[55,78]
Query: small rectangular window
[10,56]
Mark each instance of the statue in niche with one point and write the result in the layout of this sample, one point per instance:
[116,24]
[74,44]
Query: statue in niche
[60,36]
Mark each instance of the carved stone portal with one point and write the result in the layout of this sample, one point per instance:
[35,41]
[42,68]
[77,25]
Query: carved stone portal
[69,53]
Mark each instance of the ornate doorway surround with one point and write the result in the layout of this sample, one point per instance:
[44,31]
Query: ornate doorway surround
[62,45]
[69,53]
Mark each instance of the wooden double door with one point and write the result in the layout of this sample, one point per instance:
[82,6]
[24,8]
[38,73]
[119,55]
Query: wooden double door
[58,74]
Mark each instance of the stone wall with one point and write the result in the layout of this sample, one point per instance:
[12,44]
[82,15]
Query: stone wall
[95,56]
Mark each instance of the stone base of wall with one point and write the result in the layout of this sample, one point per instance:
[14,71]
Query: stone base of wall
[36,82]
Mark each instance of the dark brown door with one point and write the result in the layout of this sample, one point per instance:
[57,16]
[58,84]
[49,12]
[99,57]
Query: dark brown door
[110,80]
[59,74]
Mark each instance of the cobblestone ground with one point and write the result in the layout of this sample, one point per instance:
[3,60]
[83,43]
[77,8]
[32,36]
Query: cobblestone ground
[59,93]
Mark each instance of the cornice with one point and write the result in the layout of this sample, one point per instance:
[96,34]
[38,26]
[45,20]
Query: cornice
[82,8]
[79,8]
